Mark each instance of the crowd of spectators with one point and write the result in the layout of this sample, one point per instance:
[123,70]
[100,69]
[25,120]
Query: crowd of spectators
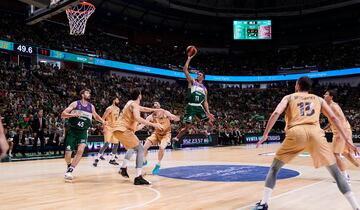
[29,95]
[231,62]
[24,92]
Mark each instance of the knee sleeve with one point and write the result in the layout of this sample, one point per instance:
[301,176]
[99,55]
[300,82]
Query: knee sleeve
[339,178]
[129,154]
[139,155]
[273,172]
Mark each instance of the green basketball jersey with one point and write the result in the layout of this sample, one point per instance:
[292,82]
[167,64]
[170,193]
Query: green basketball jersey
[197,93]
[84,121]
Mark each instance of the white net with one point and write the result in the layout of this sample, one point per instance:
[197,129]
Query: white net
[78,16]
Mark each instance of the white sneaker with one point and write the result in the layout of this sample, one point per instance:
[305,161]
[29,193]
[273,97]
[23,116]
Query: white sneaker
[68,176]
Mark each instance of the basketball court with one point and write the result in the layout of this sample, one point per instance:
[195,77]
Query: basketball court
[199,178]
[40,184]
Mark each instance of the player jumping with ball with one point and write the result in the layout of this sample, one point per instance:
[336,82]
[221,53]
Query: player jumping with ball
[197,94]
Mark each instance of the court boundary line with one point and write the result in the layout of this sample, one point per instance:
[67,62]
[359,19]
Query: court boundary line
[285,193]
[158,196]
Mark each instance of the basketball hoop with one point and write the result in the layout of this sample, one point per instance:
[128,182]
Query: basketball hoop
[78,16]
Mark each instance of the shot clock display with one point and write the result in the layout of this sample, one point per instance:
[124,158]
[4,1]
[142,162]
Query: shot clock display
[26,49]
[42,51]
[252,29]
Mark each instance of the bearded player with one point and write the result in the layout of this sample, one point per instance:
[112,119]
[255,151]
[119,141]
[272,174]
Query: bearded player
[198,105]
[80,114]
[111,115]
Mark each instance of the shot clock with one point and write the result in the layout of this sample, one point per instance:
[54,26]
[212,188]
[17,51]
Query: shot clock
[25,49]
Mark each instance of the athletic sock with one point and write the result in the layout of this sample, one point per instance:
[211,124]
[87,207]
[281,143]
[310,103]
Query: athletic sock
[138,172]
[352,200]
[112,157]
[125,163]
[266,195]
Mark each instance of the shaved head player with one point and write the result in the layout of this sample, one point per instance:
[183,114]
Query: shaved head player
[303,132]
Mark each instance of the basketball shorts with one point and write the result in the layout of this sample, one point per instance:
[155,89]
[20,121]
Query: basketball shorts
[109,136]
[74,138]
[161,140]
[310,138]
[192,111]
[127,138]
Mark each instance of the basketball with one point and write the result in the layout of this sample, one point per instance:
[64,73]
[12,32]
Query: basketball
[191,51]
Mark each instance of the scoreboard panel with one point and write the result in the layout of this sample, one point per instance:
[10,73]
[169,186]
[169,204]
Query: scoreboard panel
[252,29]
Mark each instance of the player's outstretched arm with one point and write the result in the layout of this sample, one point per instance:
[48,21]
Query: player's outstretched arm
[136,114]
[326,110]
[141,126]
[273,118]
[67,112]
[186,70]
[171,116]
[97,116]
[146,109]
[3,143]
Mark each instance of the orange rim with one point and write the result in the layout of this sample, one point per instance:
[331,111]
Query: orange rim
[84,3]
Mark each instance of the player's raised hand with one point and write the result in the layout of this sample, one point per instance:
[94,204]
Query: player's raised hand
[191,51]
[190,57]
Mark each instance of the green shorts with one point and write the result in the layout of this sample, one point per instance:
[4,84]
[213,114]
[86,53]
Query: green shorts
[74,138]
[192,111]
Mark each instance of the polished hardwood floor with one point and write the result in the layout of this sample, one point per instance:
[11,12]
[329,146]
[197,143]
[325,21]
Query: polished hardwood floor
[40,184]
